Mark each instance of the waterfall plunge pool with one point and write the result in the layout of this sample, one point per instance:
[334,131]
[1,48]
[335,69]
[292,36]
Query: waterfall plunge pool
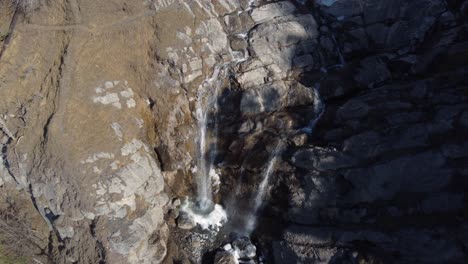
[206,214]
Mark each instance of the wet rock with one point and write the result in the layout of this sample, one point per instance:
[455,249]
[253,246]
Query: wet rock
[332,87]
[303,61]
[299,94]
[244,247]
[184,221]
[300,140]
[321,159]
[301,244]
[238,44]
[238,23]
[246,126]
[225,257]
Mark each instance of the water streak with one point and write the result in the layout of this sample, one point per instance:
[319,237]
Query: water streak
[262,188]
[206,115]
[319,109]
[206,109]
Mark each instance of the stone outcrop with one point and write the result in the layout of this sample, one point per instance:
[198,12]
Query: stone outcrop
[375,181]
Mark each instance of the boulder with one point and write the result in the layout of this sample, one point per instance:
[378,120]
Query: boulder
[225,257]
[244,248]
[264,98]
[274,42]
[271,11]
[184,221]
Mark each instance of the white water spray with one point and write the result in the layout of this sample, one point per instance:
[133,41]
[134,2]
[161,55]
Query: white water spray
[251,220]
[319,109]
[206,107]
[206,111]
[262,188]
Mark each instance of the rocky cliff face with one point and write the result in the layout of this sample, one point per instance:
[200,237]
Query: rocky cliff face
[98,127]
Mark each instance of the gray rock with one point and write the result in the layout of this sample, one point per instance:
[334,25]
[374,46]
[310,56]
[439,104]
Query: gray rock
[265,98]
[455,151]
[238,23]
[184,221]
[303,61]
[225,257]
[238,44]
[464,119]
[341,9]
[357,40]
[299,94]
[245,248]
[372,70]
[321,159]
[270,11]
[377,34]
[246,126]
[381,11]
[274,42]
[422,172]
[443,202]
[404,118]
[252,78]
[300,140]
[362,145]
[353,109]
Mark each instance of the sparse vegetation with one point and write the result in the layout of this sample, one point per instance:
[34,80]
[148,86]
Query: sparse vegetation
[3,36]
[18,242]
[6,258]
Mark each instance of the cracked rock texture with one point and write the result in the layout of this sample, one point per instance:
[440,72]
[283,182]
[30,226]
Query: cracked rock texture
[98,128]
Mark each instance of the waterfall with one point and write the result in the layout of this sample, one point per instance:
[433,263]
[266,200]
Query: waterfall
[251,220]
[206,111]
[319,108]
[202,210]
[262,188]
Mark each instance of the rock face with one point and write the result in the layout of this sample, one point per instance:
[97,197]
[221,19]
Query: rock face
[377,175]
[98,128]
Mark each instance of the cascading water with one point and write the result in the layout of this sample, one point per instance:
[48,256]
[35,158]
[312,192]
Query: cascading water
[319,108]
[203,211]
[262,188]
[207,107]
[251,218]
